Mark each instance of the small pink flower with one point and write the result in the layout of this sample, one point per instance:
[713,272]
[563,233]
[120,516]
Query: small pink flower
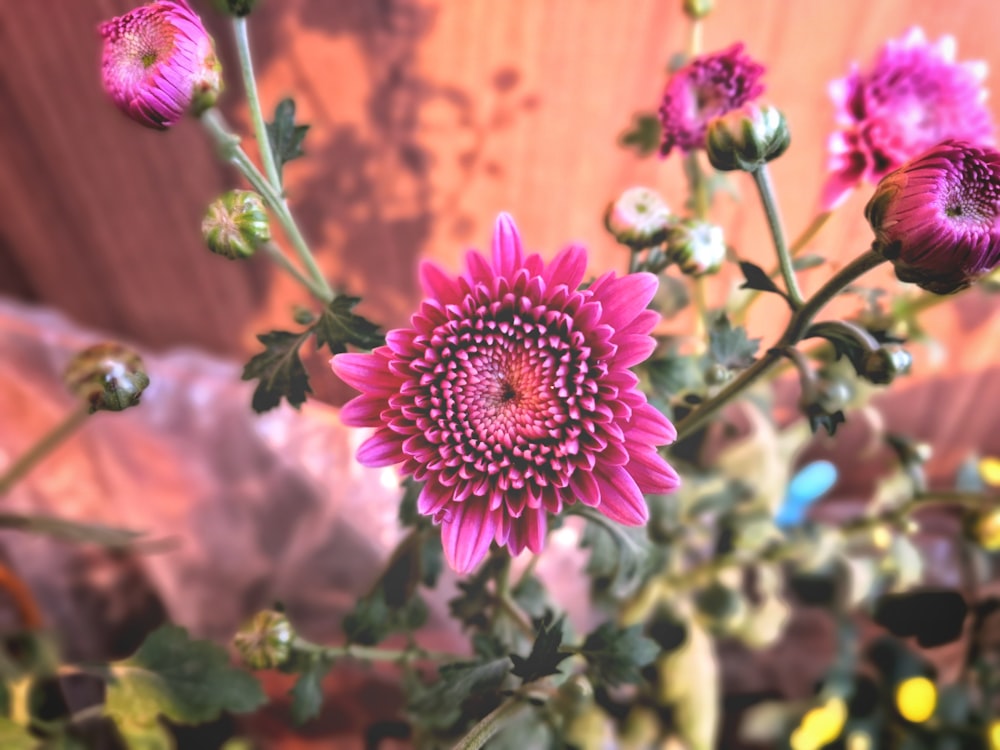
[915,96]
[510,396]
[159,63]
[707,87]
[937,218]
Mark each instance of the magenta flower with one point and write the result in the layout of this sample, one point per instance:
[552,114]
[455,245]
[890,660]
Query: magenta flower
[707,87]
[937,218]
[915,96]
[510,396]
[159,63]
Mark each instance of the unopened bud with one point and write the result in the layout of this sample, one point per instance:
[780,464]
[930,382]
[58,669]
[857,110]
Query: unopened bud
[238,8]
[107,376]
[884,364]
[697,247]
[265,641]
[746,137]
[236,224]
[639,218]
[698,9]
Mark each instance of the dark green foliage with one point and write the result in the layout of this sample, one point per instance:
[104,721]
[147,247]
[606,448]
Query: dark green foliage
[279,370]
[284,135]
[545,656]
[617,655]
[337,327]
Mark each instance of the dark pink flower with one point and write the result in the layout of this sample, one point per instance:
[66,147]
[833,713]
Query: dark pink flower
[915,96]
[510,396]
[159,63]
[937,218]
[706,87]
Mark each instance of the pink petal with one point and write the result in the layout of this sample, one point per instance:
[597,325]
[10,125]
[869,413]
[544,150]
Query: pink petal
[507,256]
[467,533]
[837,189]
[480,271]
[363,411]
[365,372]
[438,284]
[527,531]
[586,488]
[648,425]
[625,297]
[651,472]
[567,268]
[384,448]
[433,497]
[633,349]
[621,500]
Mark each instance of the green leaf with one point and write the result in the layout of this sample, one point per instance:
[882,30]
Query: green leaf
[338,326]
[441,705]
[473,605]
[756,278]
[643,135]
[545,657]
[617,655]
[729,346]
[307,695]
[186,681]
[807,261]
[284,135]
[279,370]
[153,736]
[825,421]
[674,374]
[373,619]
[531,596]
[15,737]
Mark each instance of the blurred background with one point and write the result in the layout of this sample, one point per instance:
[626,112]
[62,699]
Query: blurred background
[427,118]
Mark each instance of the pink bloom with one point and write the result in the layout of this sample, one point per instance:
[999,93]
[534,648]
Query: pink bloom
[159,63]
[510,396]
[937,218]
[915,96]
[707,87]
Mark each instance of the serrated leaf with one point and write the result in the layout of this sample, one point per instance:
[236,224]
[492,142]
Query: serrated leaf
[756,277]
[440,706]
[545,657]
[826,421]
[617,655]
[15,737]
[307,694]
[184,680]
[643,135]
[279,370]
[338,326]
[284,135]
[729,346]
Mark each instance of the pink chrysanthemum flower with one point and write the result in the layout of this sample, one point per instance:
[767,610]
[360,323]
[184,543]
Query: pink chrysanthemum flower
[707,87]
[937,218]
[510,396]
[915,96]
[159,63]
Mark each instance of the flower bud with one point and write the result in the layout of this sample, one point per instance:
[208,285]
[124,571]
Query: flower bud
[639,218]
[746,137]
[236,224]
[265,641]
[238,8]
[884,364]
[108,376]
[159,63]
[698,9]
[697,247]
[937,218]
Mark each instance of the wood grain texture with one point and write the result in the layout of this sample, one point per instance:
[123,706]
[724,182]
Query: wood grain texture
[429,117]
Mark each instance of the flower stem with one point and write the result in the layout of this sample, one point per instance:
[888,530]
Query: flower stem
[492,723]
[45,445]
[796,329]
[762,177]
[253,101]
[275,254]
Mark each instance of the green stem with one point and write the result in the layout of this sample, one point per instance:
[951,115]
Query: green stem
[253,101]
[796,329]
[45,445]
[275,254]
[370,653]
[493,723]
[762,177]
[513,611]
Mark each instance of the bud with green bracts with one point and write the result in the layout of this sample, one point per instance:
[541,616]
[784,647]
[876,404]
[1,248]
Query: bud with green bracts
[236,224]
[639,218]
[884,364]
[107,376]
[697,247]
[238,8]
[265,641]
[746,138]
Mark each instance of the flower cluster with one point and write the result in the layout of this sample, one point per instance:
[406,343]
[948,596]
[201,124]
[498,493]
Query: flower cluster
[510,396]
[707,87]
[915,96]
[159,63]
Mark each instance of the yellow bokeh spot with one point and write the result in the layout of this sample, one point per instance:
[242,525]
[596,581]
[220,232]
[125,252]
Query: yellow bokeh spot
[916,699]
[987,531]
[989,471]
[994,735]
[820,726]
[859,741]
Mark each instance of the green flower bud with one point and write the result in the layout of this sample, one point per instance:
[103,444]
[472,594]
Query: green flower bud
[746,137]
[697,247]
[884,364]
[639,218]
[265,641]
[108,376]
[237,8]
[236,224]
[698,9]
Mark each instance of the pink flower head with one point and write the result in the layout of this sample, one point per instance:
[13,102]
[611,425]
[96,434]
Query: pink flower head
[510,396]
[915,96]
[937,218]
[159,63]
[707,87]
